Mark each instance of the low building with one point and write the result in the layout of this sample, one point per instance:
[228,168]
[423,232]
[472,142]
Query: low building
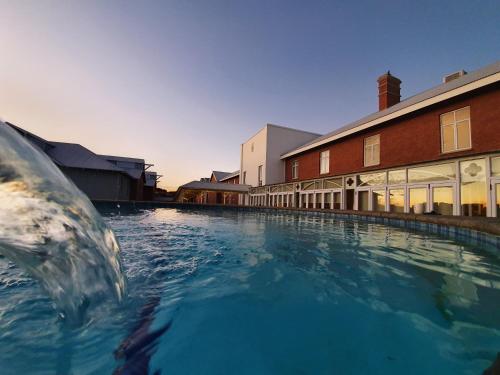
[150,186]
[435,152]
[199,192]
[100,177]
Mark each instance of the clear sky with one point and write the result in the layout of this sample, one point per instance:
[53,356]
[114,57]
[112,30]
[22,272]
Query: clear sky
[184,83]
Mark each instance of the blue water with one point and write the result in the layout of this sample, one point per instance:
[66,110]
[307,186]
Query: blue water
[256,293]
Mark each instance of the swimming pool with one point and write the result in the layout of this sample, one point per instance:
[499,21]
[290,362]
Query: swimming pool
[227,292]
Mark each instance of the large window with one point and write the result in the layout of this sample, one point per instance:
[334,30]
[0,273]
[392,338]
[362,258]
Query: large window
[372,150]
[324,162]
[371,179]
[260,175]
[378,200]
[418,200]
[442,200]
[295,169]
[455,130]
[397,200]
[473,187]
[397,177]
[432,173]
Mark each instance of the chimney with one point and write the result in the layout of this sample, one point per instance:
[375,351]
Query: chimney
[389,88]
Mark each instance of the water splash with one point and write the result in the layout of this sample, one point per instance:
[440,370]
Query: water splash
[51,229]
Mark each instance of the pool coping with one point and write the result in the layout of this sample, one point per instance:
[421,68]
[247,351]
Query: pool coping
[477,230]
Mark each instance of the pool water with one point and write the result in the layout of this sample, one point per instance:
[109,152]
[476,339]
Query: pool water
[222,292]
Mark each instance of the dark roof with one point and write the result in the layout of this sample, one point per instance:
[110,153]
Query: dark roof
[220,175]
[428,94]
[73,155]
[122,158]
[230,175]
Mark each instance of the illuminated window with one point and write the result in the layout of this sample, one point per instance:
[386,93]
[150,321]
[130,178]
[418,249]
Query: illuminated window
[295,169]
[455,130]
[473,189]
[372,150]
[324,162]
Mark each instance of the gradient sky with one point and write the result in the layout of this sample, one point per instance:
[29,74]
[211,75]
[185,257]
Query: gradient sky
[184,83]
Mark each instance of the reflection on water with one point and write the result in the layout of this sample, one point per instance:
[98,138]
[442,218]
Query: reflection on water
[256,293]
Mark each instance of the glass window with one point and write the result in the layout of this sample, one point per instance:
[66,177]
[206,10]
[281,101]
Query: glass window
[397,200]
[363,200]
[310,198]
[328,200]
[418,200]
[371,179]
[337,203]
[473,187]
[432,173]
[304,200]
[372,150]
[319,199]
[397,177]
[378,200]
[333,183]
[455,130]
[495,167]
[324,162]
[498,199]
[295,169]
[442,200]
[260,175]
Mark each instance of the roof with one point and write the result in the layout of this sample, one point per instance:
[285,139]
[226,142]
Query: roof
[215,186]
[76,156]
[471,81]
[122,158]
[220,175]
[230,175]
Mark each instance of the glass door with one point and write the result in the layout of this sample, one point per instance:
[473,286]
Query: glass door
[417,199]
[495,197]
[443,199]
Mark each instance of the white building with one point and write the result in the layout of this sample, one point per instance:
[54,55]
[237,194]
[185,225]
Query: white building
[261,162]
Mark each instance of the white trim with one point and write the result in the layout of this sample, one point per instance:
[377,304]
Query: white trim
[412,108]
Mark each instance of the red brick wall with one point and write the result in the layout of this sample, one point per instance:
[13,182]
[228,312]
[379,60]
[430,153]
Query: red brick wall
[232,180]
[412,139]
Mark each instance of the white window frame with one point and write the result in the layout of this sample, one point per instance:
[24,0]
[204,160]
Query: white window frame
[324,162]
[455,131]
[295,170]
[368,150]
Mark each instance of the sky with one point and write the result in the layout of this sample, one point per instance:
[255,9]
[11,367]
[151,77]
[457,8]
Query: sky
[183,83]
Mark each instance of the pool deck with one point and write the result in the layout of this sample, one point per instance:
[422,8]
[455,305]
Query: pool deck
[470,226]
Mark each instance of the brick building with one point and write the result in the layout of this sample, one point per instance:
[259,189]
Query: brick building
[437,151]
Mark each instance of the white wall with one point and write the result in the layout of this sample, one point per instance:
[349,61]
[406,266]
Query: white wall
[269,144]
[251,160]
[279,141]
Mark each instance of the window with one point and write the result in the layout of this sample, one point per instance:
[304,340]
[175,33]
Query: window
[260,175]
[371,179]
[324,162]
[432,173]
[397,200]
[455,130]
[378,200]
[473,189]
[397,177]
[251,147]
[295,169]
[244,178]
[372,150]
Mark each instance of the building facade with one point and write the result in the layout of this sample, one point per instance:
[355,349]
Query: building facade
[261,162]
[436,152]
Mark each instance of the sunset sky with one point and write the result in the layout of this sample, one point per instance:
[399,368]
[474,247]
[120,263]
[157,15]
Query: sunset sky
[184,83]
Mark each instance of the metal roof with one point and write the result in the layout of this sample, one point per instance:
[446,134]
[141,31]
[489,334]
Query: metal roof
[220,175]
[230,175]
[76,156]
[413,100]
[215,186]
[122,158]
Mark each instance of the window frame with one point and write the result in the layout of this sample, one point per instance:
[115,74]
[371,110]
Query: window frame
[365,161]
[321,158]
[455,131]
[295,169]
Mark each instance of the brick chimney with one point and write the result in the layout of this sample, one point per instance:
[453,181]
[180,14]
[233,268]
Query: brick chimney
[389,88]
